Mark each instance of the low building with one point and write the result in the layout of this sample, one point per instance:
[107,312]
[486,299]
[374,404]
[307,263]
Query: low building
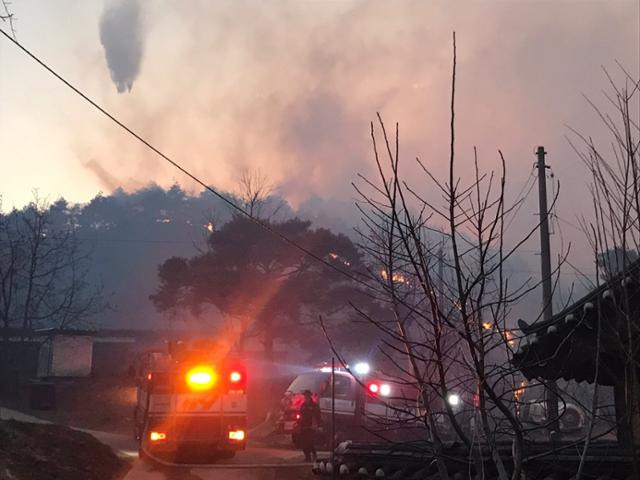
[597,339]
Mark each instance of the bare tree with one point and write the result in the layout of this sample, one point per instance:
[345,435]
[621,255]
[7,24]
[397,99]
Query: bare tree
[256,195]
[614,236]
[450,340]
[44,275]
[7,16]
[9,247]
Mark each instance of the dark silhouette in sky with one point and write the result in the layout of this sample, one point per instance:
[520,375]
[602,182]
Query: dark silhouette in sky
[121,35]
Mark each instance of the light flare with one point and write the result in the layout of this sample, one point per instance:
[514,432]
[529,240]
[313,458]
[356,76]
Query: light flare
[157,436]
[201,378]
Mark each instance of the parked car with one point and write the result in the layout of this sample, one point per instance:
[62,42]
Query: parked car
[571,417]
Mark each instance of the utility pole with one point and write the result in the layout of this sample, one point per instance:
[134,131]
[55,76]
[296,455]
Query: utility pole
[545,264]
[334,470]
[441,295]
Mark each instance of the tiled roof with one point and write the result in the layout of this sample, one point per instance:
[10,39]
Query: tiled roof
[417,462]
[565,346]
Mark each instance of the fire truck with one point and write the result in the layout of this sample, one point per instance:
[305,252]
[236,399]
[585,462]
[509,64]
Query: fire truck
[191,403]
[366,407]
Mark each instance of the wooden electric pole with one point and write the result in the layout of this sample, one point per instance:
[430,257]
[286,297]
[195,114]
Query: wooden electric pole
[547,294]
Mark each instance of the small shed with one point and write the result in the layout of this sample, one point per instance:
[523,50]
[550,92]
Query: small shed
[114,351]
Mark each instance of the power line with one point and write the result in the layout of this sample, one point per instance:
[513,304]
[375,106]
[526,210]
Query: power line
[564,274]
[188,242]
[133,240]
[176,165]
[521,199]
[529,183]
[569,223]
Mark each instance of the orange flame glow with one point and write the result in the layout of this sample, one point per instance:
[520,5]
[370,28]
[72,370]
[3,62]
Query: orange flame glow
[395,277]
[519,392]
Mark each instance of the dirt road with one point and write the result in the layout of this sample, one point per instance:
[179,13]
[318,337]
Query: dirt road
[251,464]
[246,466]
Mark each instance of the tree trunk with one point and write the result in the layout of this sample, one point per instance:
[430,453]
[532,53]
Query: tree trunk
[625,438]
[633,405]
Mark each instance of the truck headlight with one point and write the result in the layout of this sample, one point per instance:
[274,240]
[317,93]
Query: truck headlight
[454,399]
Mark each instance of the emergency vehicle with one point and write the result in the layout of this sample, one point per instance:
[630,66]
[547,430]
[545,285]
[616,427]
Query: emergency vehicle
[366,407]
[191,403]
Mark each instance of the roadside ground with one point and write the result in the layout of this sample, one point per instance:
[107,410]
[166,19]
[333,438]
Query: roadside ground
[44,451]
[254,463]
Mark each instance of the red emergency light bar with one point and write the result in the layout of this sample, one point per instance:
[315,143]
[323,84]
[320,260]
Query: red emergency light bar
[203,377]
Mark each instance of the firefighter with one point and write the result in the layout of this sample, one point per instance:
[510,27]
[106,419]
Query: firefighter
[309,413]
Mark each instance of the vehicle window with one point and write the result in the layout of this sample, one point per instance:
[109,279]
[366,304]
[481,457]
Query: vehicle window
[343,387]
[316,382]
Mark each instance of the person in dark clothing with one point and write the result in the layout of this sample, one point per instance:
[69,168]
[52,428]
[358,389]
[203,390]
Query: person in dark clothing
[309,413]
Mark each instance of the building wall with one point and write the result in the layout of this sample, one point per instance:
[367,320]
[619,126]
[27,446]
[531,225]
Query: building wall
[44,359]
[18,361]
[112,359]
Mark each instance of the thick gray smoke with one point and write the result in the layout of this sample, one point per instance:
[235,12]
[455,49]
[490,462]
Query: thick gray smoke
[122,38]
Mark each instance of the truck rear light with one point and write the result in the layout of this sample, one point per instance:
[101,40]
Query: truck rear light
[157,436]
[236,435]
[236,380]
[376,388]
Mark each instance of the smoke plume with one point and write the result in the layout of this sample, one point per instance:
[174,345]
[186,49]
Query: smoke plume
[289,88]
[122,38]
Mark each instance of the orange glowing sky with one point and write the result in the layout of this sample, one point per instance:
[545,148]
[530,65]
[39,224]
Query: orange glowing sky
[290,87]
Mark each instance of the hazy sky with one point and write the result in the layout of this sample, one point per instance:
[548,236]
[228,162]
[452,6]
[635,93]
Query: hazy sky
[290,87]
